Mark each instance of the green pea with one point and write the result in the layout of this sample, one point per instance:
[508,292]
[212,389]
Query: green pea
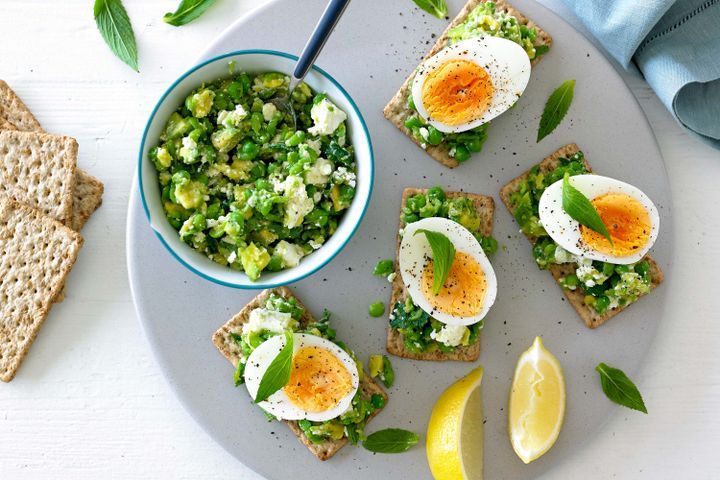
[620,269]
[235,90]
[295,139]
[413,122]
[376,309]
[608,269]
[317,217]
[199,222]
[474,145]
[643,269]
[434,136]
[384,268]
[571,281]
[461,153]
[601,304]
[249,150]
[377,400]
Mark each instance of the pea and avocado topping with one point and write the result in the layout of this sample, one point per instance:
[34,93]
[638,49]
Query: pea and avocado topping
[243,186]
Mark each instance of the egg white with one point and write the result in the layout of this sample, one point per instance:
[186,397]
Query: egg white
[279,404]
[415,252]
[566,232]
[505,61]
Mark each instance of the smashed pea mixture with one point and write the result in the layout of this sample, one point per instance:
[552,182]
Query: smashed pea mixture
[483,20]
[605,285]
[243,186]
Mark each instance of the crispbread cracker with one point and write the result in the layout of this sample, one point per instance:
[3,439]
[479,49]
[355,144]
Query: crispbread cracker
[37,255]
[229,348]
[576,297]
[397,110]
[87,198]
[14,111]
[38,169]
[485,207]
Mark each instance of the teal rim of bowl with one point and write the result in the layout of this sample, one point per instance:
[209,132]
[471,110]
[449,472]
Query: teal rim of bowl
[182,77]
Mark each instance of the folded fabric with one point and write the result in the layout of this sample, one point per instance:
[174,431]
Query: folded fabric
[676,46]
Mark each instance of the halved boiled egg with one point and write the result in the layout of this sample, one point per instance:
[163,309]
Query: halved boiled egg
[470,82]
[470,288]
[628,214]
[323,379]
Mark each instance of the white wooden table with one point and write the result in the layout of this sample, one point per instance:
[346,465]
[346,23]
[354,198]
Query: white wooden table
[90,402]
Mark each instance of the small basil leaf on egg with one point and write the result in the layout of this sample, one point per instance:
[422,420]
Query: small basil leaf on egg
[581,209]
[443,255]
[278,372]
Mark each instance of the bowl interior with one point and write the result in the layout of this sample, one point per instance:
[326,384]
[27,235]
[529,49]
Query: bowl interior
[253,61]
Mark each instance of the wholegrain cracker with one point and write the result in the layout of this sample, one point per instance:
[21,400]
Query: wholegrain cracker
[37,255]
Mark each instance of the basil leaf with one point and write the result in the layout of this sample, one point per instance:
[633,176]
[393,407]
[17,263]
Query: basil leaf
[619,388]
[556,108]
[581,209]
[437,8]
[187,11]
[114,25]
[390,440]
[443,256]
[277,374]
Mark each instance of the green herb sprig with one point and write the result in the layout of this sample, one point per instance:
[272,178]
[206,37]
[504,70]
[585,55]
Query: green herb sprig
[391,440]
[619,388]
[437,8]
[114,25]
[443,255]
[579,207]
[556,108]
[277,374]
[187,11]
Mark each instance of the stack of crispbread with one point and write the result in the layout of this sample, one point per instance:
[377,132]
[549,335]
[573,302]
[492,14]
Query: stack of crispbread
[44,202]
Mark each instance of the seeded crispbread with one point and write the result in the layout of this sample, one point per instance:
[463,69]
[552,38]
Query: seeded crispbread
[576,297]
[485,207]
[229,348]
[397,110]
[14,111]
[38,169]
[88,191]
[37,255]
[14,115]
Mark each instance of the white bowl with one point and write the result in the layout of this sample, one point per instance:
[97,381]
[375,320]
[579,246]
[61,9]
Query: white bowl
[253,61]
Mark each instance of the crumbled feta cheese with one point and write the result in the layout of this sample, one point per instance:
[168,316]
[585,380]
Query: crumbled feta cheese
[563,256]
[232,257]
[317,196]
[163,157]
[262,319]
[450,335]
[315,244]
[298,203]
[587,274]
[343,175]
[188,152]
[232,119]
[327,117]
[290,253]
[268,110]
[277,182]
[319,172]
[391,277]
[314,144]
[424,133]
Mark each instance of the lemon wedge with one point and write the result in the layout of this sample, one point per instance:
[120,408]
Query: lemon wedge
[455,432]
[537,402]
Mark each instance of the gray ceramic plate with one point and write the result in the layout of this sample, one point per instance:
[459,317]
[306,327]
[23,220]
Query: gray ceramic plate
[374,47]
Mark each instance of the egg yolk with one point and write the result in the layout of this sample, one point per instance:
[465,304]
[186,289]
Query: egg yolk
[626,219]
[464,291]
[458,91]
[318,380]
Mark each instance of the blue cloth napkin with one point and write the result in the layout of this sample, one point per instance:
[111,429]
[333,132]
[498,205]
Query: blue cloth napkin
[676,46]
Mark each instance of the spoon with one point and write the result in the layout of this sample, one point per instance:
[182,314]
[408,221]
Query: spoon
[315,44]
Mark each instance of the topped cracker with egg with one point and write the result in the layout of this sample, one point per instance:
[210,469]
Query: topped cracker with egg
[476,70]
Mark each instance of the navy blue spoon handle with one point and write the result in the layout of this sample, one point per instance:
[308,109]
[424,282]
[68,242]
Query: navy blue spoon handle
[323,29]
